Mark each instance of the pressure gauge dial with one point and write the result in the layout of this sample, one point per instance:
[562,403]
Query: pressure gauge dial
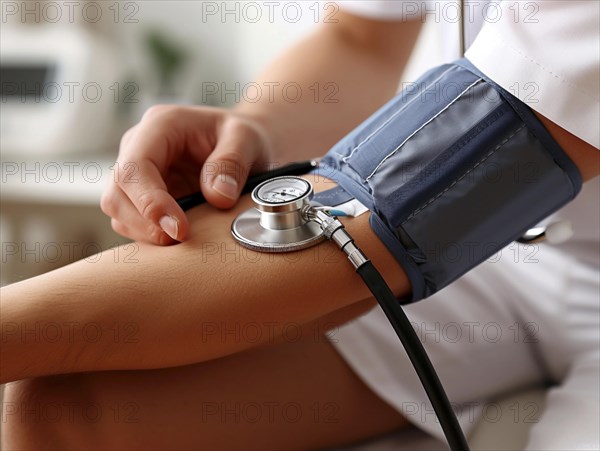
[275,224]
[282,194]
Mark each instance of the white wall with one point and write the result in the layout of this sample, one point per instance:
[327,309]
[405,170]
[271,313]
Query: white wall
[225,41]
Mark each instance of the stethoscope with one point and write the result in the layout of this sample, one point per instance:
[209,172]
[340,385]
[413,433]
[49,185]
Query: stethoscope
[285,219]
[266,199]
[276,223]
[556,232]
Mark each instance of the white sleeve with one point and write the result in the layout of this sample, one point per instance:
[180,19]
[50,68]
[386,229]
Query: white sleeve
[548,57]
[384,9]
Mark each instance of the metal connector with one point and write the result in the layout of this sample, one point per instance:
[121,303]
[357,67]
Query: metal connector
[335,231]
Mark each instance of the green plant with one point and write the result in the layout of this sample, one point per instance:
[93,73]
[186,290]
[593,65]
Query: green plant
[168,59]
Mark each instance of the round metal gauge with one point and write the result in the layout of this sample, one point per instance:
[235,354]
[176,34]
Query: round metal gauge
[282,194]
[275,224]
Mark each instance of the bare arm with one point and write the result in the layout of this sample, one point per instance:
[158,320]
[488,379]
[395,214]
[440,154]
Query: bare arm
[357,62]
[167,306]
[585,156]
[361,59]
[170,306]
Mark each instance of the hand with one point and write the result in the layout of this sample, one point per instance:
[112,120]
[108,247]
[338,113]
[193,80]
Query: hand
[172,152]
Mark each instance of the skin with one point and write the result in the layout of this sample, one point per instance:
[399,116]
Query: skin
[585,156]
[163,147]
[147,286]
[171,313]
[186,408]
[176,150]
[160,381]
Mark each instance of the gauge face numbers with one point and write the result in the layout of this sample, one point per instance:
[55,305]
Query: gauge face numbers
[282,190]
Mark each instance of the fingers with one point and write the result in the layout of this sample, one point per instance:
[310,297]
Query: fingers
[148,194]
[173,143]
[226,169]
[145,155]
[117,205]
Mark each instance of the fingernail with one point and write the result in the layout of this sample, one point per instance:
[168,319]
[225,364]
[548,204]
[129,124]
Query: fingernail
[226,186]
[170,225]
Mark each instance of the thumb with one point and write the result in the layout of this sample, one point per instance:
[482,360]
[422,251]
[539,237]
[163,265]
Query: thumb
[226,170]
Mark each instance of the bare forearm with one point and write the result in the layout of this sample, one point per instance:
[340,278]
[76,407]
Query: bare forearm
[346,70]
[167,306]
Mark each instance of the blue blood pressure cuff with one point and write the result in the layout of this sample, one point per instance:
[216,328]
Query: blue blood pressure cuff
[452,169]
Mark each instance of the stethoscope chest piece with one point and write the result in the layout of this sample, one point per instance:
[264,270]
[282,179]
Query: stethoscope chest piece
[276,224]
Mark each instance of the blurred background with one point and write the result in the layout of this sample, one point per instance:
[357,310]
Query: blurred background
[76,74]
